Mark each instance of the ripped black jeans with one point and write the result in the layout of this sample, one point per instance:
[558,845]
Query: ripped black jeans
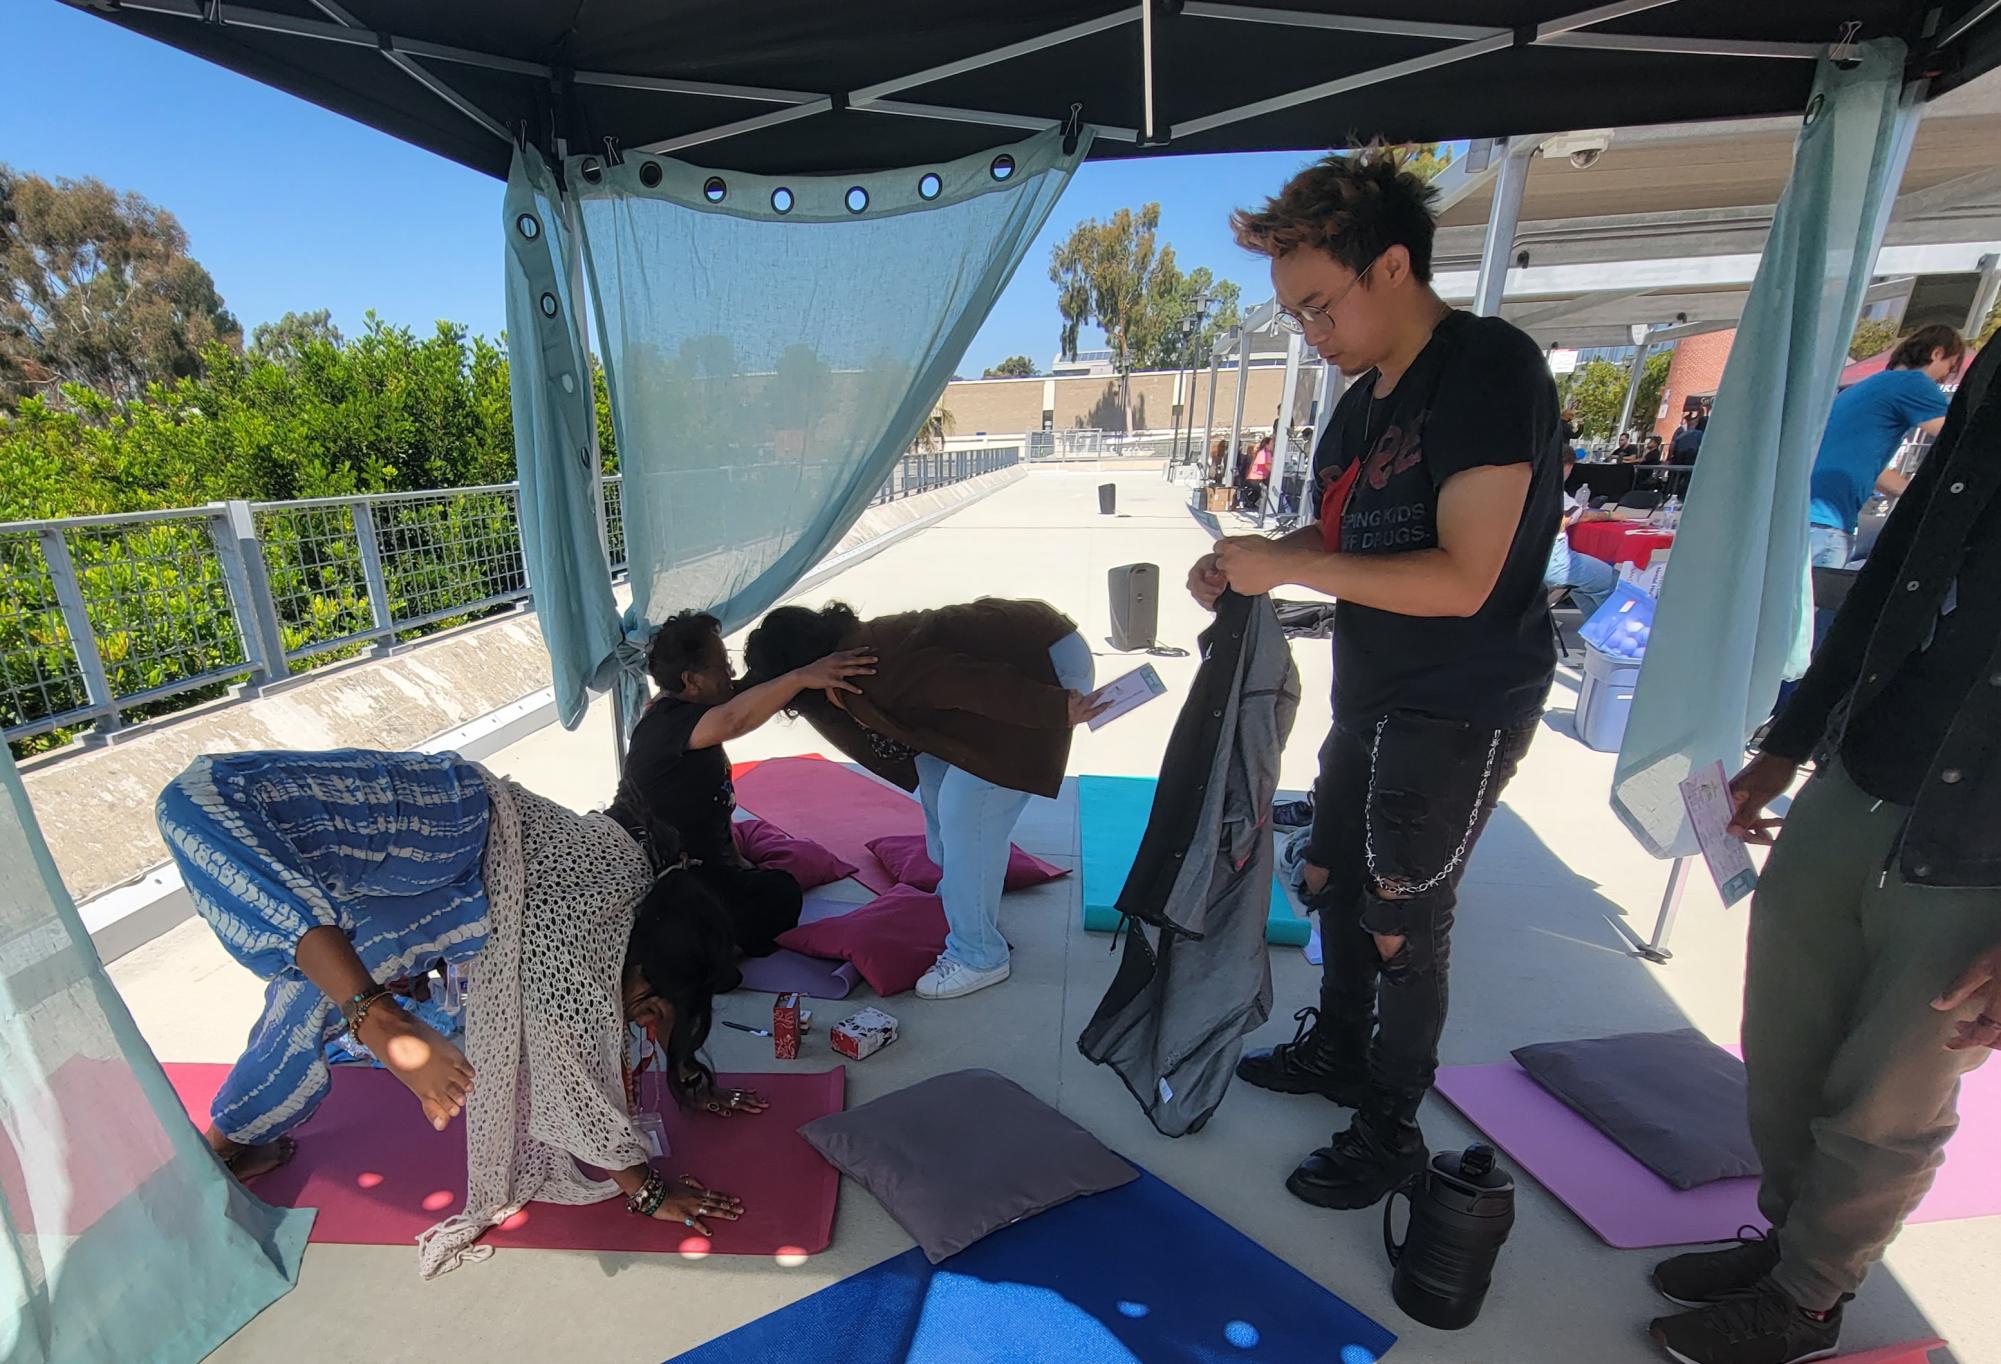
[1400,801]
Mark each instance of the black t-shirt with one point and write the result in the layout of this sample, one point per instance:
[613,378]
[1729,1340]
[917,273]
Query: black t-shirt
[689,788]
[1479,394]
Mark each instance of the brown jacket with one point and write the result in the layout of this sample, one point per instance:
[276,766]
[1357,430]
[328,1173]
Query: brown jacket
[970,684]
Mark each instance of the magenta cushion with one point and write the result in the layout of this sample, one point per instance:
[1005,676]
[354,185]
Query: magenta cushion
[903,856]
[892,940]
[766,845]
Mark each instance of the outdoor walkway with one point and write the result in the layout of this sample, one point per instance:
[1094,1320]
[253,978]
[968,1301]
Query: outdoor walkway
[1538,956]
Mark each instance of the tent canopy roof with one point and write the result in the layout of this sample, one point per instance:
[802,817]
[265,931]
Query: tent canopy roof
[806,86]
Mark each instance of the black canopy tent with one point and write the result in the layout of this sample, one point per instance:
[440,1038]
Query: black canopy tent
[805,86]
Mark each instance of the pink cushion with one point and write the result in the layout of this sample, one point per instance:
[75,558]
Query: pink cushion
[892,940]
[904,857]
[767,845]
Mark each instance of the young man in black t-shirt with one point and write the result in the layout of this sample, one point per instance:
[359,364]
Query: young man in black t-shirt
[676,767]
[1436,481]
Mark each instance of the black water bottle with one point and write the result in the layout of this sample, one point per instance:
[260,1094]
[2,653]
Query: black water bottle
[1461,1210]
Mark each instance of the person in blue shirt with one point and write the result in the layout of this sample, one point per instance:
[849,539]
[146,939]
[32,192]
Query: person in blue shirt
[1864,428]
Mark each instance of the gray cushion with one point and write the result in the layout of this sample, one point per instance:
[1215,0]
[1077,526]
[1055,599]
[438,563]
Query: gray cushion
[1674,1101]
[964,1154]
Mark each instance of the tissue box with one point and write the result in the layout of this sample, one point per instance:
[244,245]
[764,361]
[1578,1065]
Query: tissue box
[864,1034]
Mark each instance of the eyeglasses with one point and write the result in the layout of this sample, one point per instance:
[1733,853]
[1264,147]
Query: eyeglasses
[1299,319]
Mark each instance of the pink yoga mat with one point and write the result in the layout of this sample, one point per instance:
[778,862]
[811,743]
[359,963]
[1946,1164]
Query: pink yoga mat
[840,809]
[1910,1352]
[1631,1207]
[837,807]
[380,1175]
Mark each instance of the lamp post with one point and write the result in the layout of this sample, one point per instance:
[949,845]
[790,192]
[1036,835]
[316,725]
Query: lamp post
[1191,329]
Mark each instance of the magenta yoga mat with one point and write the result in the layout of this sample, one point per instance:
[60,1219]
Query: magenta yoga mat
[1631,1207]
[380,1175]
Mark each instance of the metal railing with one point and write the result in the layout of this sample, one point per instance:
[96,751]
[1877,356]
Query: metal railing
[922,470]
[149,612]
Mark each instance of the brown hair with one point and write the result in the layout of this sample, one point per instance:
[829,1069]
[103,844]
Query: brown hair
[1353,205]
[1915,350]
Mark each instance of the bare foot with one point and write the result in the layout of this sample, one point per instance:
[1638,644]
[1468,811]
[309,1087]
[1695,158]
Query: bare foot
[248,1162]
[417,1054]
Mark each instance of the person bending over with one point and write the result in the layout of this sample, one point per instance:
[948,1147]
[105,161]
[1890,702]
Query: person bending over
[1438,481]
[971,707]
[676,771]
[341,877]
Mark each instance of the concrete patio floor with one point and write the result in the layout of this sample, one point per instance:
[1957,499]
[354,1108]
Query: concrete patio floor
[1539,956]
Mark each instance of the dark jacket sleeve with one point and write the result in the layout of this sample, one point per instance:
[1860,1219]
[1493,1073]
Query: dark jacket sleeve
[1837,665]
[934,678]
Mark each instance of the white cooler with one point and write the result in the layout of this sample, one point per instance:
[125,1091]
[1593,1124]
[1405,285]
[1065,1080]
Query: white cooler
[1606,698]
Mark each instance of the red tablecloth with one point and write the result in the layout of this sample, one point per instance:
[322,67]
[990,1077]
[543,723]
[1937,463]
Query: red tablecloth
[1619,542]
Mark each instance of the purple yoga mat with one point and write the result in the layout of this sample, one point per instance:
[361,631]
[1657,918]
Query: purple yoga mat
[1631,1207]
[785,971]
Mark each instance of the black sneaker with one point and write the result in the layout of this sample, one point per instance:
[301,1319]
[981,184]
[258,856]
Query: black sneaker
[1292,814]
[1761,1325]
[1362,1167]
[1705,1276]
[1313,1062]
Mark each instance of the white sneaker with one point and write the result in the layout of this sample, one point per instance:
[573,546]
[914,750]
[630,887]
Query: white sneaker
[950,979]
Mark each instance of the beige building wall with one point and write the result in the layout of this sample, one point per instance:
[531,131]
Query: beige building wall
[1012,406]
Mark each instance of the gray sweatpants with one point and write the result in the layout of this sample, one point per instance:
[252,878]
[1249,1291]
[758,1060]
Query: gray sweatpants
[1853,1093]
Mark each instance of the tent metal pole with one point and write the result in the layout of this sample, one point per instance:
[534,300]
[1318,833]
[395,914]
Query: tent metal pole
[667,145]
[1360,80]
[1502,216]
[1632,387]
[1691,47]
[1985,295]
[1026,122]
[1656,949]
[869,94]
[1237,415]
[1969,21]
[1281,429]
[406,63]
[1340,23]
[1618,9]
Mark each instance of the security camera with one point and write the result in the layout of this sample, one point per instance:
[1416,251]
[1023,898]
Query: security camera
[1583,148]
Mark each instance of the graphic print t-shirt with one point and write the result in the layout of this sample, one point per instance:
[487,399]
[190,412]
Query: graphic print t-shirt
[1479,394]
[689,788]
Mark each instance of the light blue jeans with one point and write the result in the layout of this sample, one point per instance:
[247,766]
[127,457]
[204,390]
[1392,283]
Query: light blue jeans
[1590,580]
[969,827]
[1830,547]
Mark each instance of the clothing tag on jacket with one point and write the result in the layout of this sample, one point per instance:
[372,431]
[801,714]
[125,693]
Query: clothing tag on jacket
[1166,1094]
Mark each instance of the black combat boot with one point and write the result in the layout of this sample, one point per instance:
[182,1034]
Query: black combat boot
[1379,1153]
[1322,1058]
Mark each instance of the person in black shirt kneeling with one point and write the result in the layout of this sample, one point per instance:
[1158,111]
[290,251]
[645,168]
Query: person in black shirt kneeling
[1437,480]
[677,769]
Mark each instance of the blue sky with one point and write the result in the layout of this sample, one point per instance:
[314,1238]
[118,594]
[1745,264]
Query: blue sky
[294,208]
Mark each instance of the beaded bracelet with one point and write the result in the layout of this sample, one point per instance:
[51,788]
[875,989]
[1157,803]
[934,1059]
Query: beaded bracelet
[647,1198]
[356,1009]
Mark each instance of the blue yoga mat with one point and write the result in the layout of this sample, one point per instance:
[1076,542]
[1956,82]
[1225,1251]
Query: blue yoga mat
[1139,1275]
[1112,813]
